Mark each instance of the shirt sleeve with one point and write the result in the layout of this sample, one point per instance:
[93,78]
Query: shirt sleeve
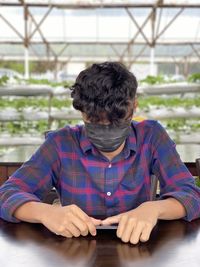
[31,181]
[175,179]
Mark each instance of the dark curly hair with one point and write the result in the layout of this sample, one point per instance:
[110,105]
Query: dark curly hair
[105,92]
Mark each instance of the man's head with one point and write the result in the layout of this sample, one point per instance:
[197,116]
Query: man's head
[105,93]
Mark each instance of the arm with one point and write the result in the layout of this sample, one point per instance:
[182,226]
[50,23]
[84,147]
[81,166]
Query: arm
[136,225]
[31,211]
[21,196]
[31,182]
[179,196]
[175,179]
[167,209]
[67,221]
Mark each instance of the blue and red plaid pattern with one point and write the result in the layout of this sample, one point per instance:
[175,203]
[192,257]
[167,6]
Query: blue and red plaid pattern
[83,176]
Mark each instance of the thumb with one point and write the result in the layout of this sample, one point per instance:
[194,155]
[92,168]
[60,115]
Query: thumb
[111,220]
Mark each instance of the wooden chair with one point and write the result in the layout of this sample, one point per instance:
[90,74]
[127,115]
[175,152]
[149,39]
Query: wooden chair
[194,170]
[198,167]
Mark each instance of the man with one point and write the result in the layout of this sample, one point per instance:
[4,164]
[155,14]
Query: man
[103,168]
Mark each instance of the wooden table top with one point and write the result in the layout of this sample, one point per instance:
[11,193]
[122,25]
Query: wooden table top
[172,244]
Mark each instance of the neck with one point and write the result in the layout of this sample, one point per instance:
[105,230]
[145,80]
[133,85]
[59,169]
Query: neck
[111,155]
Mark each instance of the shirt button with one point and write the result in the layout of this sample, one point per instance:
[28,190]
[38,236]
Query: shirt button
[108,194]
[110,165]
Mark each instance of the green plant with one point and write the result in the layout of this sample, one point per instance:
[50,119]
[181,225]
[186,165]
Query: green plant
[13,65]
[50,83]
[176,125]
[41,126]
[39,103]
[197,181]
[3,80]
[194,78]
[146,102]
[153,79]
[42,103]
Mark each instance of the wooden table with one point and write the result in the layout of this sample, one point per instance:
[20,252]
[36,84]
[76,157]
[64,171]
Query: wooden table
[13,160]
[172,244]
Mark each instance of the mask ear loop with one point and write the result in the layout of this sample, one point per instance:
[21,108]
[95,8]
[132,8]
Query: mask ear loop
[133,106]
[130,117]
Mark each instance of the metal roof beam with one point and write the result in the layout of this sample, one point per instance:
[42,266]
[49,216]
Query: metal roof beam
[41,34]
[41,21]
[140,28]
[12,27]
[142,58]
[168,24]
[160,42]
[97,5]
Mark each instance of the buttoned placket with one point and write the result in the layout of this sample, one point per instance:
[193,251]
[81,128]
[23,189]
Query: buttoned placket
[109,201]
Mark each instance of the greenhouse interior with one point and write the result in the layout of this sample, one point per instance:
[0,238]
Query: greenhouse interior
[45,44]
[99,133]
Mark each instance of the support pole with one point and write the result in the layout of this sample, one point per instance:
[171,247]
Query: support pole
[177,69]
[186,67]
[153,43]
[26,63]
[26,44]
[152,61]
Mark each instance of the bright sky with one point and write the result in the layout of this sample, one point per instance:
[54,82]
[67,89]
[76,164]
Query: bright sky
[101,24]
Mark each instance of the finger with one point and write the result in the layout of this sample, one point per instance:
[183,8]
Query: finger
[96,221]
[80,224]
[122,225]
[128,229]
[111,220]
[136,234]
[83,216]
[66,233]
[91,226]
[146,233]
[73,230]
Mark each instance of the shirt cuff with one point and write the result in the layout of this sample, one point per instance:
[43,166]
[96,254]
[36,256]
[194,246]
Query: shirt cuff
[13,202]
[191,204]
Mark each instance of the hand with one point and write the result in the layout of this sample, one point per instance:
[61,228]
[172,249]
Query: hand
[69,221]
[135,225]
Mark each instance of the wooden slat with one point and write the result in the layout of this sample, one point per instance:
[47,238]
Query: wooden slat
[3,174]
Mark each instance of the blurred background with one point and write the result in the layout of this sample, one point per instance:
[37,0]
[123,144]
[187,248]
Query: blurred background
[45,44]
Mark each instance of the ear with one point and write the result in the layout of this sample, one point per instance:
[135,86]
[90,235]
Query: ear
[135,103]
[84,117]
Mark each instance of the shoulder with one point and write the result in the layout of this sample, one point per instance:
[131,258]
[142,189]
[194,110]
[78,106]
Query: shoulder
[149,132]
[146,126]
[66,134]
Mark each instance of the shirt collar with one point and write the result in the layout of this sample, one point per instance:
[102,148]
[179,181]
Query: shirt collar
[85,144]
[130,145]
[131,140]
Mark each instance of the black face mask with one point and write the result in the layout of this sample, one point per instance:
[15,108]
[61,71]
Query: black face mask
[107,138]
